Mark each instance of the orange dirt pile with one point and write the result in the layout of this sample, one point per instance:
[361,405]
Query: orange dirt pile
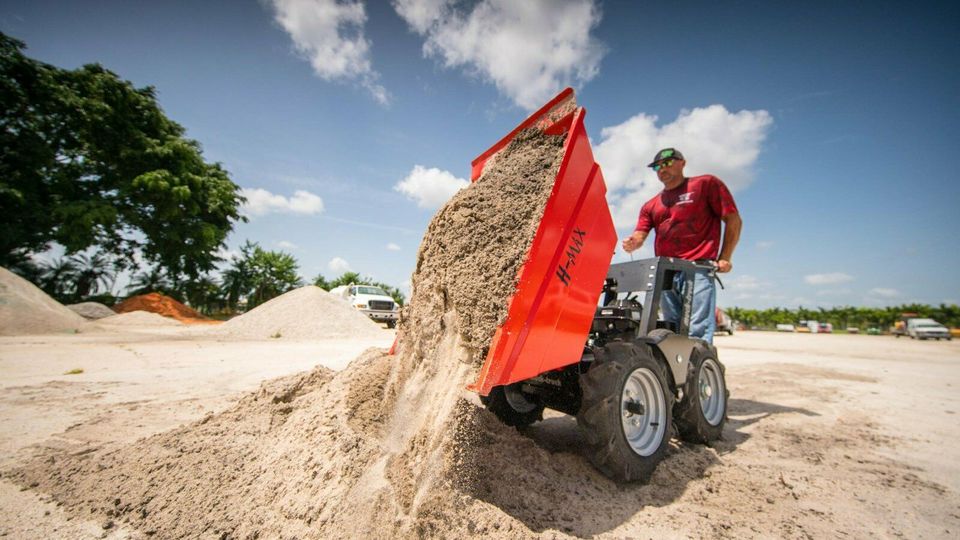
[162,305]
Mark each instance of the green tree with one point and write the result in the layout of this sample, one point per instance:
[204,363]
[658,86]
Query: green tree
[93,273]
[88,160]
[149,281]
[204,295]
[58,277]
[321,282]
[259,275]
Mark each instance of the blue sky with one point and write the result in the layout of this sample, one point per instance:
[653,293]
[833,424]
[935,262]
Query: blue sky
[349,123]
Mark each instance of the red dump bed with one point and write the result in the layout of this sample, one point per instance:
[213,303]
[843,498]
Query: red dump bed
[562,277]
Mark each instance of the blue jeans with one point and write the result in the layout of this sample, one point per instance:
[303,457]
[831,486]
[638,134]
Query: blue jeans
[703,320]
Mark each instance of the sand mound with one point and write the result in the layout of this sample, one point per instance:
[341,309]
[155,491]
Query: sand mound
[161,304]
[305,313]
[138,318]
[387,447]
[25,309]
[91,310]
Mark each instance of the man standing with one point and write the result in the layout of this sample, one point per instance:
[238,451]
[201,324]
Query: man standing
[686,216]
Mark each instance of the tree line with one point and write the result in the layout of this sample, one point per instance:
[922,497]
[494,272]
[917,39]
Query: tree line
[251,278]
[845,316]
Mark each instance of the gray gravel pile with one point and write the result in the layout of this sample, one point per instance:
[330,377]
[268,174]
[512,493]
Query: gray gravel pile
[25,309]
[91,310]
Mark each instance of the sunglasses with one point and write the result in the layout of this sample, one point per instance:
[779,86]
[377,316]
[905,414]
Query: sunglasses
[661,164]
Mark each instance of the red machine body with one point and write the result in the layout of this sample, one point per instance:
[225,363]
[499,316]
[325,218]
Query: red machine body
[560,282]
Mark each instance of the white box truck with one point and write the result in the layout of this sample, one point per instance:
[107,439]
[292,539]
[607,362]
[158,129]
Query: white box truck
[371,300]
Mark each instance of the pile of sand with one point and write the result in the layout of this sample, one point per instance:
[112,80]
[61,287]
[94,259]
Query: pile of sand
[25,309]
[163,305]
[305,313]
[386,448]
[91,310]
[138,318]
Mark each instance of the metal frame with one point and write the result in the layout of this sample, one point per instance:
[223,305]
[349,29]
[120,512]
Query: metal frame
[653,276]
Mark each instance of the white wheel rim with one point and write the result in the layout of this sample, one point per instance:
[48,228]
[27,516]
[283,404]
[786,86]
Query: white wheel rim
[644,432]
[713,394]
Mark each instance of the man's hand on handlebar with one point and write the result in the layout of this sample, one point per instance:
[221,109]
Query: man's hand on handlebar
[723,266]
[633,242]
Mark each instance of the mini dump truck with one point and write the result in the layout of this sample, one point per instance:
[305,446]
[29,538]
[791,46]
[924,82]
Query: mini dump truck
[583,336]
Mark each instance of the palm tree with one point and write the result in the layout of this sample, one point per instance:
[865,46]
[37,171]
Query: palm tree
[150,281]
[58,278]
[92,273]
[203,294]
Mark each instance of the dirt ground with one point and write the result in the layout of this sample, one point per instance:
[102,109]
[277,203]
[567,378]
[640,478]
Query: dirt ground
[830,436]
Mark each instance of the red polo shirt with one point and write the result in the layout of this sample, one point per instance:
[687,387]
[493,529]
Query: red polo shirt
[687,218]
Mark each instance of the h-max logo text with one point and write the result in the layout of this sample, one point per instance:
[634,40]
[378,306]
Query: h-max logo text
[573,250]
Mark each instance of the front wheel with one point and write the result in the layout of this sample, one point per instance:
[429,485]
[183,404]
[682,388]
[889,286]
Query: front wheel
[512,406]
[702,412]
[625,412]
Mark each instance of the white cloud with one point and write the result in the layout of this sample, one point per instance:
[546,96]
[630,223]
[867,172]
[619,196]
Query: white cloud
[330,34]
[393,247]
[765,244]
[744,283]
[713,140]
[338,265]
[530,50]
[827,279]
[283,244]
[884,292]
[430,188]
[261,202]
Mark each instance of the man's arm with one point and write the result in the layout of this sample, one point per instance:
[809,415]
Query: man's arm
[634,241]
[731,235]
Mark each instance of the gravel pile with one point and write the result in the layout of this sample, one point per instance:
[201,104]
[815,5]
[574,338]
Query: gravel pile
[387,448]
[138,318]
[91,310]
[305,313]
[25,309]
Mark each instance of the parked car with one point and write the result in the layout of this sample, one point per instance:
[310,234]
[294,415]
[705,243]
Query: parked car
[825,328]
[372,301]
[786,328]
[811,327]
[927,329]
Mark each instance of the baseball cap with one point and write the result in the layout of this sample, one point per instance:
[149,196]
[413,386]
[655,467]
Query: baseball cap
[666,153]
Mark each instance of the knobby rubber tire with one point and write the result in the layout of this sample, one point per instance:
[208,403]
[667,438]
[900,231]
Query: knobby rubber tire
[688,415]
[600,415]
[497,403]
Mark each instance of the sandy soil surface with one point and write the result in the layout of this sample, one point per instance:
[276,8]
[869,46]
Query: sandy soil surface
[829,436]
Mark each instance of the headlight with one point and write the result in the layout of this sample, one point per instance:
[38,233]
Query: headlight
[361,306]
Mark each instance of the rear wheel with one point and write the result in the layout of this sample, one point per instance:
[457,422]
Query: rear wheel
[512,406]
[702,412]
[625,412]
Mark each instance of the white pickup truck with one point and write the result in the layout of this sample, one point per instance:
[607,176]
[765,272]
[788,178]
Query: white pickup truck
[373,301]
[927,329]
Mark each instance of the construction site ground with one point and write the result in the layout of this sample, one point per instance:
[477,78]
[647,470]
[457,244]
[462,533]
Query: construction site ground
[828,435]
